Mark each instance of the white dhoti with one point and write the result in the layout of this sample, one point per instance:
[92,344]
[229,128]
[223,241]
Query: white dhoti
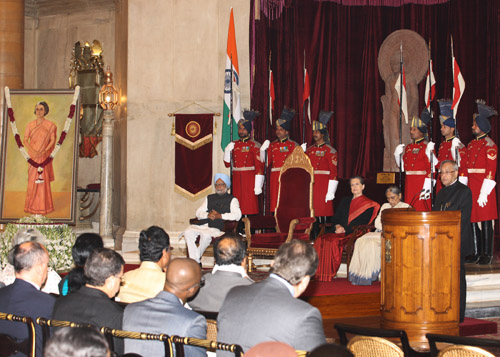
[205,233]
[366,259]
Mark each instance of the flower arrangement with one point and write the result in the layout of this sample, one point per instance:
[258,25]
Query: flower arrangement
[59,239]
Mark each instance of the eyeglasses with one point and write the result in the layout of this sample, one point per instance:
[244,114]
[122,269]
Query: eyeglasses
[220,184]
[200,284]
[446,172]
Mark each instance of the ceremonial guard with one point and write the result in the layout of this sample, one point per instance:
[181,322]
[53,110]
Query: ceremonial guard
[451,145]
[481,169]
[416,164]
[278,151]
[324,162]
[247,167]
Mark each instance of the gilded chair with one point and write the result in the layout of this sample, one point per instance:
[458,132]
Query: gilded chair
[180,342]
[9,346]
[161,337]
[294,214]
[368,346]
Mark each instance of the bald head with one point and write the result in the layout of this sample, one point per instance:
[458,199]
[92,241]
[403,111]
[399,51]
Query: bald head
[183,278]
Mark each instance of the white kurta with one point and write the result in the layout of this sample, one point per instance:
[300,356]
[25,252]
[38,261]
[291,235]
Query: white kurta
[204,231]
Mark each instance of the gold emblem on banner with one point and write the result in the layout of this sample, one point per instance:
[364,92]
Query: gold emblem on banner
[193,129]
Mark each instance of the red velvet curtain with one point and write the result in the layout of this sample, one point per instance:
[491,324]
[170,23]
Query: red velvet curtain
[341,45]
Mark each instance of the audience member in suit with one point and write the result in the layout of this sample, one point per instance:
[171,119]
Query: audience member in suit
[84,245]
[148,280]
[77,342]
[165,313]
[8,274]
[455,196]
[24,297]
[229,271]
[92,303]
[270,310]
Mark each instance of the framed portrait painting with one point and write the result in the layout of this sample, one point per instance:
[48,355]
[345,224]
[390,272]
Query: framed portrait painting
[39,155]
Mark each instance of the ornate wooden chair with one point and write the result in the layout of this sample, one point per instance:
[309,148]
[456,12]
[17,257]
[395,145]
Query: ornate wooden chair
[464,351]
[9,346]
[368,346]
[294,213]
[344,329]
[463,341]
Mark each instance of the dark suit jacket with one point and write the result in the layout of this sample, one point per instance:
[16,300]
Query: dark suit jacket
[22,298]
[163,314]
[267,311]
[90,306]
[458,197]
[211,296]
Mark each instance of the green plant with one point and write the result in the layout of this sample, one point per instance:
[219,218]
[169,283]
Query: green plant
[59,239]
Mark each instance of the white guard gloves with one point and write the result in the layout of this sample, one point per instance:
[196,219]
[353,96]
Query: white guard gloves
[332,188]
[426,193]
[429,150]
[486,188]
[263,149]
[259,182]
[463,179]
[455,145]
[227,152]
[304,147]
[397,155]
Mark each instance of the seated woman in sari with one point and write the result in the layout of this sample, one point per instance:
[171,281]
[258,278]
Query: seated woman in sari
[353,211]
[365,262]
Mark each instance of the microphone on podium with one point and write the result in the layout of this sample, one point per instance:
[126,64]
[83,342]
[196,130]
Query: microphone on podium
[417,195]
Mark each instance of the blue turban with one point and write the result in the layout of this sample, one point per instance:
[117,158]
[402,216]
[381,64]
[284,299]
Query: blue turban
[224,178]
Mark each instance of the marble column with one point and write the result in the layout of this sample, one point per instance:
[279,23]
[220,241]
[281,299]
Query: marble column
[106,216]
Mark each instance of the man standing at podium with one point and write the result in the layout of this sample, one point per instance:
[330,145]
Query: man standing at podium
[455,196]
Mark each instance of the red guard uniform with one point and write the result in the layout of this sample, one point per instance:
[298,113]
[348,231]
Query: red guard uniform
[417,168]
[324,162]
[277,153]
[444,153]
[246,164]
[481,164]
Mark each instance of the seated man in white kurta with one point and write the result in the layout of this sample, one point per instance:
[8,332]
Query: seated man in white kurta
[366,262]
[217,208]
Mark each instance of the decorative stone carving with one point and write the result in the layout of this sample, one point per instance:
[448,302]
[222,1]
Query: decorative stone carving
[415,60]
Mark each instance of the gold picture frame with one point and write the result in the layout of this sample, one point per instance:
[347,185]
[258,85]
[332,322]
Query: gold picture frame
[15,177]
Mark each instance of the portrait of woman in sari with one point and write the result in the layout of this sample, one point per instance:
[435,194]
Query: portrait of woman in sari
[352,211]
[39,140]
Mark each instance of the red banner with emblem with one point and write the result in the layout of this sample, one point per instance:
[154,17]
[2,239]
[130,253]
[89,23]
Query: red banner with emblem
[193,154]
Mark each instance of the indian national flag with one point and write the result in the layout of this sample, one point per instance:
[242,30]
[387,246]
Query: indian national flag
[403,102]
[458,86]
[232,75]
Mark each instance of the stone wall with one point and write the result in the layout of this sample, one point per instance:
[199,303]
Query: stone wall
[176,55]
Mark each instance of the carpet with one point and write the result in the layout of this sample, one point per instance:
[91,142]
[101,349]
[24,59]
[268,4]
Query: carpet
[475,327]
[339,286]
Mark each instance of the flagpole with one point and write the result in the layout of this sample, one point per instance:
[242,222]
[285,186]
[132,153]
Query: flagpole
[303,104]
[231,118]
[429,98]
[401,114]
[455,116]
[267,133]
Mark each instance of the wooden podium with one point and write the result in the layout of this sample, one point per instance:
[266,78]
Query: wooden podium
[420,273]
